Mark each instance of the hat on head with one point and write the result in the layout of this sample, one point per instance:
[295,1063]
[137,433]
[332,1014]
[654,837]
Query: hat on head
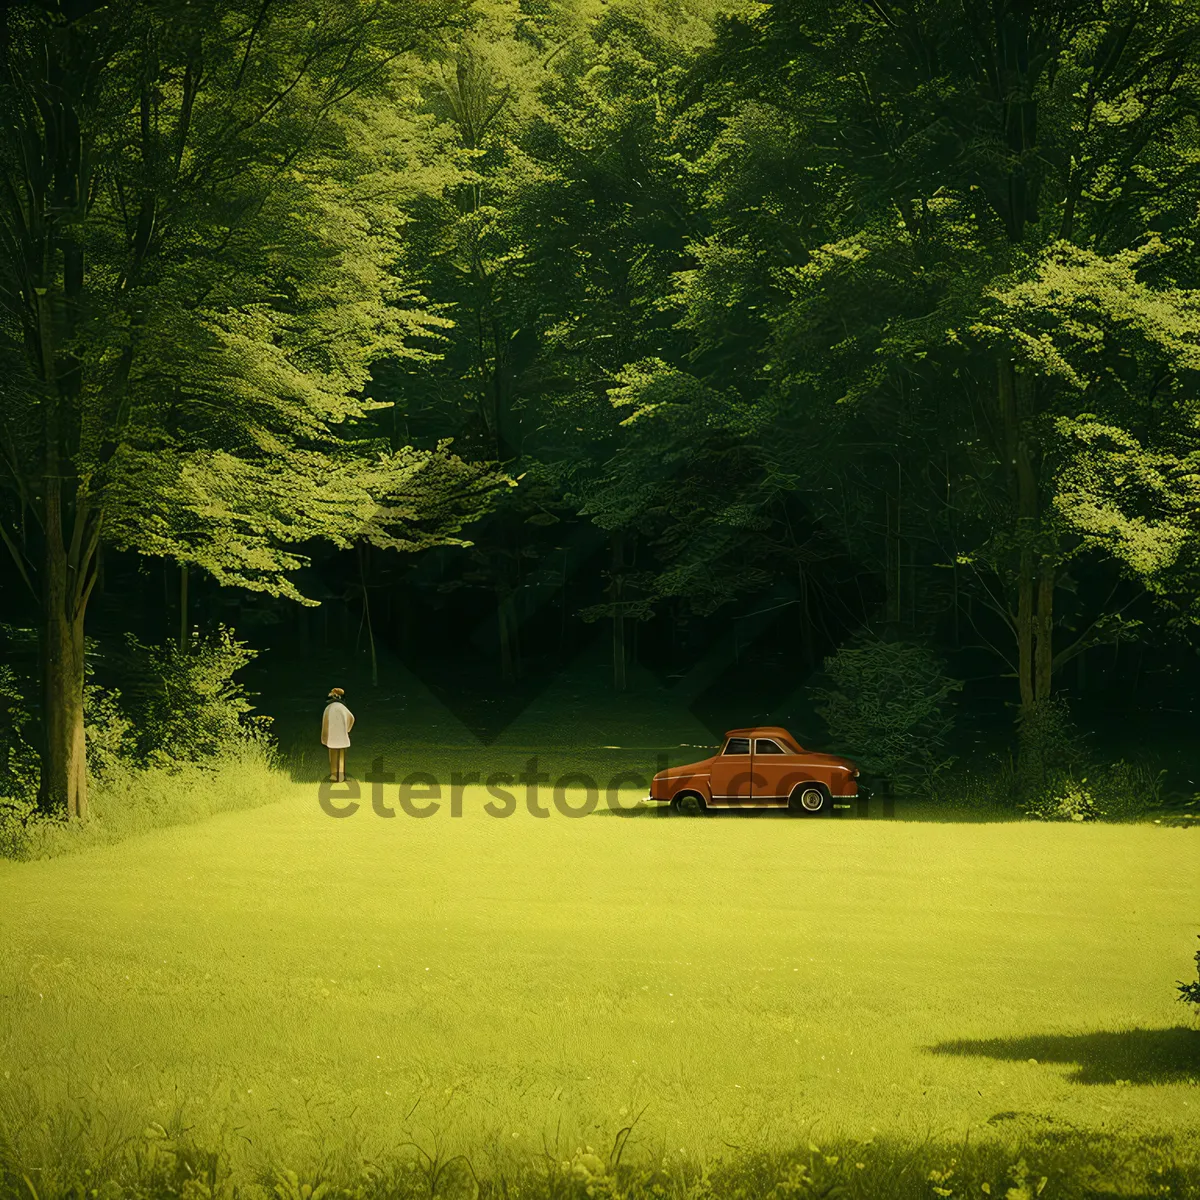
[337,693]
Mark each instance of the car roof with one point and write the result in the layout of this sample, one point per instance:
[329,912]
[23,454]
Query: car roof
[761,731]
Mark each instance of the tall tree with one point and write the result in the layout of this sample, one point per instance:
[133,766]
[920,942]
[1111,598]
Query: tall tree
[934,206]
[195,280]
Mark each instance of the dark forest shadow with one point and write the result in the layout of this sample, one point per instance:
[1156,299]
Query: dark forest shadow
[1135,1056]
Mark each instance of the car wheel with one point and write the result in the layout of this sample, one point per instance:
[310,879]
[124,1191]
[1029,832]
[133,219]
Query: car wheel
[810,799]
[689,804]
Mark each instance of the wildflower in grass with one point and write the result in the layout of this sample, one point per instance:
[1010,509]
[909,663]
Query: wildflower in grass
[937,1177]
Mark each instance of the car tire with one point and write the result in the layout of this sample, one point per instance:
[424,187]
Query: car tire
[688,804]
[810,800]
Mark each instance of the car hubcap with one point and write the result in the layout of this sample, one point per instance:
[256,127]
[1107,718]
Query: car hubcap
[811,799]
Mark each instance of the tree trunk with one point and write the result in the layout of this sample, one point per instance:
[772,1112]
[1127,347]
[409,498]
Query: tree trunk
[1023,494]
[951,528]
[1025,587]
[806,622]
[371,640]
[906,561]
[183,606]
[502,624]
[619,677]
[401,616]
[514,633]
[562,626]
[892,565]
[618,614]
[302,637]
[65,591]
[64,762]
[362,578]
[1043,653]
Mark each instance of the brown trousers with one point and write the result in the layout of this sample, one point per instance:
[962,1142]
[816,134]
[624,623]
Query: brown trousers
[337,763]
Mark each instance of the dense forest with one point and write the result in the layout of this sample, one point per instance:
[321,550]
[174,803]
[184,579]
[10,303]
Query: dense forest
[865,334]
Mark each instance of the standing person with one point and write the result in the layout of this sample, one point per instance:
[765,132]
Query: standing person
[336,724]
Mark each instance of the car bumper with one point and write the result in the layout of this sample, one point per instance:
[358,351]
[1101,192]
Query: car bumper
[863,793]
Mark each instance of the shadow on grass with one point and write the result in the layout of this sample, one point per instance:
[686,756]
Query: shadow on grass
[1133,1056]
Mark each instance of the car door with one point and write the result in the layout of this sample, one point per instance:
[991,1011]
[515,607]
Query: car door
[730,774]
[774,773]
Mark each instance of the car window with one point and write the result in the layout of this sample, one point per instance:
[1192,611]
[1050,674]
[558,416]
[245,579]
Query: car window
[766,746]
[738,746]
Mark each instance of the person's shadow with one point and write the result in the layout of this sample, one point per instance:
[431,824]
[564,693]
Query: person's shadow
[1134,1056]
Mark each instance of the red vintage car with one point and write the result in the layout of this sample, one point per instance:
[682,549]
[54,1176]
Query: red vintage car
[761,767]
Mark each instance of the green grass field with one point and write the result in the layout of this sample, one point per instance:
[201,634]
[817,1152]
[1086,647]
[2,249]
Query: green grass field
[279,982]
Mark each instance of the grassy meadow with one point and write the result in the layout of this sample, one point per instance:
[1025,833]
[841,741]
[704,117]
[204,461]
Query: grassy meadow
[288,986]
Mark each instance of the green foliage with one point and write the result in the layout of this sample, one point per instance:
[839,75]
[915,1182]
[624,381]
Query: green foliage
[106,734]
[1066,799]
[1190,992]
[877,251]
[1127,790]
[890,708]
[133,799]
[1057,777]
[1118,333]
[185,705]
[1049,749]
[224,369]
[107,731]
[19,760]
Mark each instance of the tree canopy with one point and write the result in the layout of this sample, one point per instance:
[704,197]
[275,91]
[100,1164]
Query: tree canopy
[884,311]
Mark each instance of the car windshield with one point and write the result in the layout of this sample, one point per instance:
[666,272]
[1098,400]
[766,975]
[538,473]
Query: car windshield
[738,745]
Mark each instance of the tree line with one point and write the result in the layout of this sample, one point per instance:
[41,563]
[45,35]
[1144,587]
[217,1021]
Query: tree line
[743,292]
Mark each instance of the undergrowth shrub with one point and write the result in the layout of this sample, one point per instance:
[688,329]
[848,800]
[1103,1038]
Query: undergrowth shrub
[1050,751]
[1127,790]
[983,786]
[107,733]
[175,742]
[890,707]
[19,761]
[1066,800]
[185,704]
[1190,992]
[241,775]
[1058,777]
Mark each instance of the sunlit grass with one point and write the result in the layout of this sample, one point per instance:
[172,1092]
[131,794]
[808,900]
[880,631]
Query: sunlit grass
[280,982]
[134,801]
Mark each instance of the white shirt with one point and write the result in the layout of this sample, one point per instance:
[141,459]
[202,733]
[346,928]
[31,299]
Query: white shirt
[336,725]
